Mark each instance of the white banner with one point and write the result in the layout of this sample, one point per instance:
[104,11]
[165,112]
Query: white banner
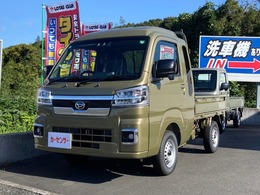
[88,28]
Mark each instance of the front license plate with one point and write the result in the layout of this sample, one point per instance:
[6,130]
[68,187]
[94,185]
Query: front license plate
[59,140]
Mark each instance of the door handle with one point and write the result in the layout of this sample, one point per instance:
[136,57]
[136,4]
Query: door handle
[183,88]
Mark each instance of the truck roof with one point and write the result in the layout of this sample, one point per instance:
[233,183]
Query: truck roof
[129,31]
[215,69]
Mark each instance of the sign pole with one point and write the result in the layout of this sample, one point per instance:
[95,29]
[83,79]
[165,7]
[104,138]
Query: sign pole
[42,67]
[257,95]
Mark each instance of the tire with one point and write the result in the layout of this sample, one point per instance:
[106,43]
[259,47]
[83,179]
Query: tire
[222,125]
[211,137]
[165,161]
[237,120]
[75,160]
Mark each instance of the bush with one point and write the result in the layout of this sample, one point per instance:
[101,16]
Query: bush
[21,72]
[12,121]
[17,114]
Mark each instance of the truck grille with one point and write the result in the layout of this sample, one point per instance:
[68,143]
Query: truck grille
[88,103]
[85,137]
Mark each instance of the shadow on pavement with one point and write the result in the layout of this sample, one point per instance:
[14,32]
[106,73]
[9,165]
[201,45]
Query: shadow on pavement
[96,170]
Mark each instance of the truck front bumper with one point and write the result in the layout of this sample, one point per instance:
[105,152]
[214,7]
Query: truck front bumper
[122,134]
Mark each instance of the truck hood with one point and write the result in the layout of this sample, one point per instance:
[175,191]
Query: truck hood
[88,89]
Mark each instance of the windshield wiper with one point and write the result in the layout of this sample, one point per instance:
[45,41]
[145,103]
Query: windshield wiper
[109,77]
[86,80]
[67,78]
[113,77]
[120,77]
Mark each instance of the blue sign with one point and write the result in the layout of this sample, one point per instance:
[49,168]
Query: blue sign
[238,55]
[51,41]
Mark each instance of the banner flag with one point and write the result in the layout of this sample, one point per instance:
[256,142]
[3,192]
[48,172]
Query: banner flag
[62,27]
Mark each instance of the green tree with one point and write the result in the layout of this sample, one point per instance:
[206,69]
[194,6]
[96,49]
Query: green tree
[202,22]
[250,25]
[229,16]
[20,70]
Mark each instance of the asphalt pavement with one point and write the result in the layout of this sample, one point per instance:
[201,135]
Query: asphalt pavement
[10,188]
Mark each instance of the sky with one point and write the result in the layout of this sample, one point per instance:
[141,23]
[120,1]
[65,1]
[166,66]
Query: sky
[21,20]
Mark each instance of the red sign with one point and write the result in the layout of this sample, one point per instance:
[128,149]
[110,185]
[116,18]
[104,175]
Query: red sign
[255,65]
[63,26]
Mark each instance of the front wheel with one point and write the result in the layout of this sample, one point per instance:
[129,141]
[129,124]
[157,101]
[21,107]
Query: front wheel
[165,161]
[211,137]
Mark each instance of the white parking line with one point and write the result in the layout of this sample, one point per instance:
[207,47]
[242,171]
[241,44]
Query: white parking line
[27,188]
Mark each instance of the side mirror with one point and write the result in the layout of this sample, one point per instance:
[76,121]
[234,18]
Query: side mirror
[47,70]
[166,68]
[224,86]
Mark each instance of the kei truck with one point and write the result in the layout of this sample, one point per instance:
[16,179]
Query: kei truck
[126,93]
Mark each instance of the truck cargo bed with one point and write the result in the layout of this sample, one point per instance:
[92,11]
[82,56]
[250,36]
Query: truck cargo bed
[236,102]
[206,106]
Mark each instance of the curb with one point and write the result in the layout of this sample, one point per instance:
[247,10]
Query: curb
[17,146]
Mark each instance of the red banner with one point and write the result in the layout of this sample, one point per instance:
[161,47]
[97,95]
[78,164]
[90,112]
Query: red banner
[63,26]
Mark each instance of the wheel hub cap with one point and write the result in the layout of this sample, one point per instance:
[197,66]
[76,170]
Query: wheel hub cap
[169,153]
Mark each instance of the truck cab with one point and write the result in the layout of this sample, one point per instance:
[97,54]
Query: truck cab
[211,81]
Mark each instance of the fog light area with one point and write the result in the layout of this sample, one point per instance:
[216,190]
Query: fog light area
[38,130]
[129,136]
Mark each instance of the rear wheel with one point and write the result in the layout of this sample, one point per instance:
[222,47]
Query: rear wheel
[165,161]
[222,125]
[211,137]
[237,120]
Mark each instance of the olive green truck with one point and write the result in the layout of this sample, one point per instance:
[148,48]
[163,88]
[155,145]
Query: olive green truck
[208,82]
[126,93]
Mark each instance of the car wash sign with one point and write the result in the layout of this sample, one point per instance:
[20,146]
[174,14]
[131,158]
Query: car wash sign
[240,56]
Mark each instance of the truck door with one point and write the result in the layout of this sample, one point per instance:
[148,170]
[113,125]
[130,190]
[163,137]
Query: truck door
[170,100]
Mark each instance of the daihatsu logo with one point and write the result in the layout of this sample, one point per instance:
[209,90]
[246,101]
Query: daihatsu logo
[79,105]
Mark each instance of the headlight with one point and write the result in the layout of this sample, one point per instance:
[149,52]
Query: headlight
[44,97]
[137,96]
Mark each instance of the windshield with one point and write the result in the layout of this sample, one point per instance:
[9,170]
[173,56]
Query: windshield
[204,80]
[106,59]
